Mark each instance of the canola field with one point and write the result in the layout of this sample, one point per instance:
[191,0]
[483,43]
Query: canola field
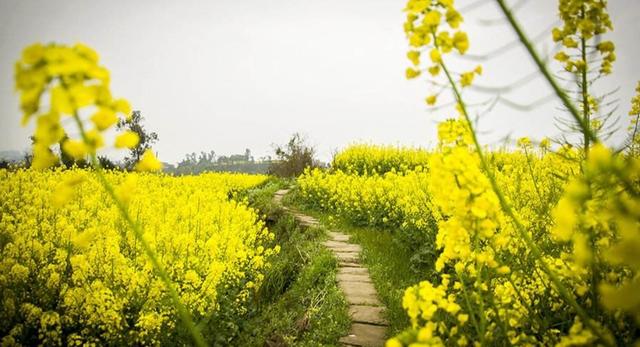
[533,244]
[556,268]
[74,273]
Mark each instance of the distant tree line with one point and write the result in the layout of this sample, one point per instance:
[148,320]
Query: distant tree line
[291,159]
[194,164]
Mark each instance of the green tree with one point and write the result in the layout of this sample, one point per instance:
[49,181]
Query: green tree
[293,158]
[147,138]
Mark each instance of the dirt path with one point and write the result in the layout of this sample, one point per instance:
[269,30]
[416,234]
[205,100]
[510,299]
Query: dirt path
[368,327]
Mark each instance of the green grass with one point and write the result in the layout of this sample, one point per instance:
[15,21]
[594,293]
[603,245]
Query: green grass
[299,303]
[387,259]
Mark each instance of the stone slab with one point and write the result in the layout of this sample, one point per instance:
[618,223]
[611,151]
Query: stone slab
[367,300]
[348,264]
[367,314]
[336,236]
[359,293]
[353,270]
[365,335]
[357,288]
[341,246]
[348,277]
[348,257]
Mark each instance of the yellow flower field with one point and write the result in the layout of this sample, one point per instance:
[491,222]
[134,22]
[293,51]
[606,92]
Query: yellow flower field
[370,159]
[533,243]
[75,274]
[494,284]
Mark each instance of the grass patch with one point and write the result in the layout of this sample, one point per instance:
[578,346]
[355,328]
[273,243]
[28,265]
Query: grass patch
[299,303]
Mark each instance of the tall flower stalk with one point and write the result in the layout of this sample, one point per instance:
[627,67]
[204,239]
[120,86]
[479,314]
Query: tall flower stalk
[73,79]
[480,227]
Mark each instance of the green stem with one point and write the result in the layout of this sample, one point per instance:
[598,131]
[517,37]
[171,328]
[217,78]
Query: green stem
[137,231]
[483,319]
[472,315]
[586,129]
[494,307]
[585,90]
[533,177]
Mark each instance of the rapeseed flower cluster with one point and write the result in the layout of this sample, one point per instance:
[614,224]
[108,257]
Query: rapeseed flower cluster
[76,85]
[584,24]
[433,28]
[583,21]
[634,132]
[74,273]
[366,159]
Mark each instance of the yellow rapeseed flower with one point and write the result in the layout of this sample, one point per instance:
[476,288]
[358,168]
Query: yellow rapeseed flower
[75,148]
[412,73]
[414,57]
[461,41]
[127,139]
[61,101]
[434,70]
[435,56]
[33,54]
[466,79]
[122,106]
[148,162]
[104,118]
[75,81]
[453,17]
[432,19]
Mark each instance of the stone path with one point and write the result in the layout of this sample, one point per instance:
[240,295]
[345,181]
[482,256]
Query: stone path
[368,326]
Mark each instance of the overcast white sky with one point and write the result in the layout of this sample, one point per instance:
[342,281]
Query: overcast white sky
[229,75]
